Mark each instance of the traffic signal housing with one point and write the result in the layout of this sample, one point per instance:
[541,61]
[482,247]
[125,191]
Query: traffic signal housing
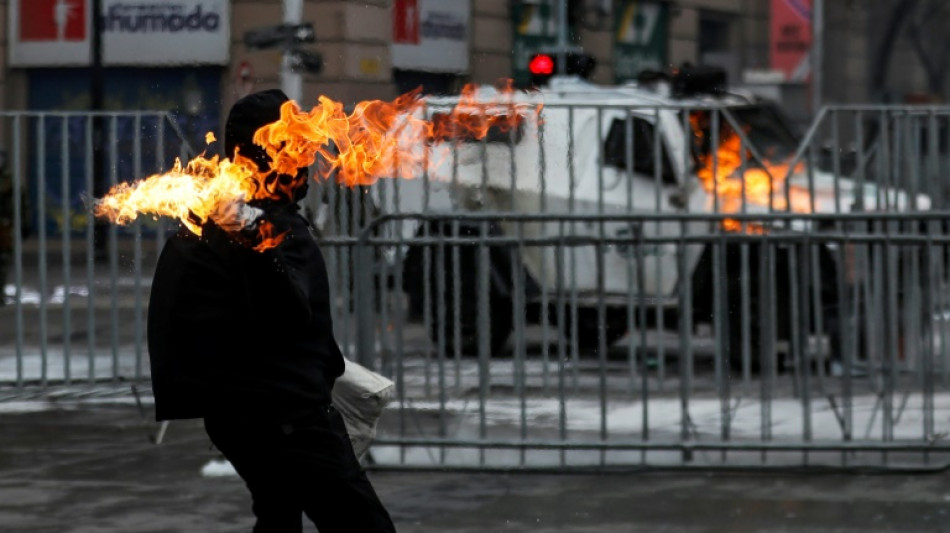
[544,65]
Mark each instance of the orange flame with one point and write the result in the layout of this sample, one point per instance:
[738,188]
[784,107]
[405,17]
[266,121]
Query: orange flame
[377,139]
[204,189]
[722,174]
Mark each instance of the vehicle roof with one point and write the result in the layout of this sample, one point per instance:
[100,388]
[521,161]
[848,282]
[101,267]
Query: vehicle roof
[564,90]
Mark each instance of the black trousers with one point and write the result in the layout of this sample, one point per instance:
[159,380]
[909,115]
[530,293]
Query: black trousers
[307,467]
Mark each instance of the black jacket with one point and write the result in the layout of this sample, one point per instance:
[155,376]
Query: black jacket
[234,332]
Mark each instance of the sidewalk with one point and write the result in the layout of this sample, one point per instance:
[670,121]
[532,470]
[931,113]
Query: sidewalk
[91,468]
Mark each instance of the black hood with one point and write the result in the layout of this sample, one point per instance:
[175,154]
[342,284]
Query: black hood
[248,115]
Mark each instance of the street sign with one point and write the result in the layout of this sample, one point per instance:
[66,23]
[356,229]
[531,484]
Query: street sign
[281,35]
[302,61]
[640,38]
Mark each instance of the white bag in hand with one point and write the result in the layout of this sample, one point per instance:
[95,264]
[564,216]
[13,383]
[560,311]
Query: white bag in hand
[360,395]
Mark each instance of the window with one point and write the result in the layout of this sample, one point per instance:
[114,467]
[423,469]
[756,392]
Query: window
[713,34]
[715,42]
[765,128]
[644,149]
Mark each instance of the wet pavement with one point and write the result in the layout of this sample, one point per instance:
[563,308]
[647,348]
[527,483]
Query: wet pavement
[92,468]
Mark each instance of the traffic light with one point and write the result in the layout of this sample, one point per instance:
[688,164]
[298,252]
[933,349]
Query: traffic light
[543,66]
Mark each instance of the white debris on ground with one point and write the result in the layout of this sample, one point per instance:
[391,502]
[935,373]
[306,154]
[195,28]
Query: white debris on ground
[23,407]
[218,468]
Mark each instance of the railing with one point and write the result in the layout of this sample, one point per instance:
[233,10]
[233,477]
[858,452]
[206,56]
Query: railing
[76,291]
[811,368]
[575,296]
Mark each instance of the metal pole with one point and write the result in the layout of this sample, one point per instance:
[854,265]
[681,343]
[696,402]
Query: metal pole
[96,101]
[817,53]
[291,82]
[562,30]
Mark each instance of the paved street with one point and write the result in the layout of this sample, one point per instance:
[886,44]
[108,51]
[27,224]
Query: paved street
[91,468]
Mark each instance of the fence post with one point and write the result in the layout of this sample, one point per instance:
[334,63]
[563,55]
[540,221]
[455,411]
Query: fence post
[365,298]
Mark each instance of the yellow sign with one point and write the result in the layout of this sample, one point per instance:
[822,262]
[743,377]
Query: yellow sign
[369,65]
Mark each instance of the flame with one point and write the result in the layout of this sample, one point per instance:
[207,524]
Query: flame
[209,138]
[750,228]
[269,237]
[377,139]
[204,189]
[722,175]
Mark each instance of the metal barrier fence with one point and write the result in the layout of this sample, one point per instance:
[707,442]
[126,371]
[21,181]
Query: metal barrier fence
[75,291]
[832,353]
[811,312]
[648,158]
[596,288]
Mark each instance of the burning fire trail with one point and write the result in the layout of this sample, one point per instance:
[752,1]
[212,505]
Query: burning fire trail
[721,173]
[377,139]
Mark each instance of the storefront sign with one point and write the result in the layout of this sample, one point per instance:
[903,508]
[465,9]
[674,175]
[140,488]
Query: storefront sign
[640,38]
[135,32]
[431,35]
[406,22]
[49,32]
[791,38]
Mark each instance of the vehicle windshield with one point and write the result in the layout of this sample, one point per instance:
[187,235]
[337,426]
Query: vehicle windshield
[762,125]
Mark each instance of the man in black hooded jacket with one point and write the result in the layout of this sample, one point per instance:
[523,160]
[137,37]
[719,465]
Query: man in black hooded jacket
[244,340]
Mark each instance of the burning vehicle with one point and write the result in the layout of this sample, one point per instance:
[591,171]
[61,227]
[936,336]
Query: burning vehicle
[676,145]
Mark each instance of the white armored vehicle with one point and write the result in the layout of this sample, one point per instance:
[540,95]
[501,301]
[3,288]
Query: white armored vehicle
[673,147]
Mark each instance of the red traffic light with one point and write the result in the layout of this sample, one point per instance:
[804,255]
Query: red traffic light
[541,64]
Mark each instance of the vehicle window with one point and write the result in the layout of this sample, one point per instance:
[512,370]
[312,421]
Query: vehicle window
[644,156]
[762,125]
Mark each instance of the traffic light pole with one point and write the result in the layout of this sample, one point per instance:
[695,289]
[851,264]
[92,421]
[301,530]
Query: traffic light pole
[562,30]
[291,82]
[817,53]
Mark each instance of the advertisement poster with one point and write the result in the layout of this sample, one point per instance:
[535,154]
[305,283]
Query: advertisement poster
[431,35]
[790,39]
[45,33]
[640,38]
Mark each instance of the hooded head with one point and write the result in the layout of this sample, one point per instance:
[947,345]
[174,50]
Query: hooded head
[247,116]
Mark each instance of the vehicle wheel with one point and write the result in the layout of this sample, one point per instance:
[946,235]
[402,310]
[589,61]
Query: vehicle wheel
[588,332]
[443,320]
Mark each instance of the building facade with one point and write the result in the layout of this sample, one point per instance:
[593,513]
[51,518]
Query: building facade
[197,64]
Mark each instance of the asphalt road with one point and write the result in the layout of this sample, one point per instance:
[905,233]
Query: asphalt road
[91,468]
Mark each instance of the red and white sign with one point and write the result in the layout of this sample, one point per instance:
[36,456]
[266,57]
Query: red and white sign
[406,22]
[134,32]
[64,20]
[791,38]
[49,32]
[244,79]
[431,35]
